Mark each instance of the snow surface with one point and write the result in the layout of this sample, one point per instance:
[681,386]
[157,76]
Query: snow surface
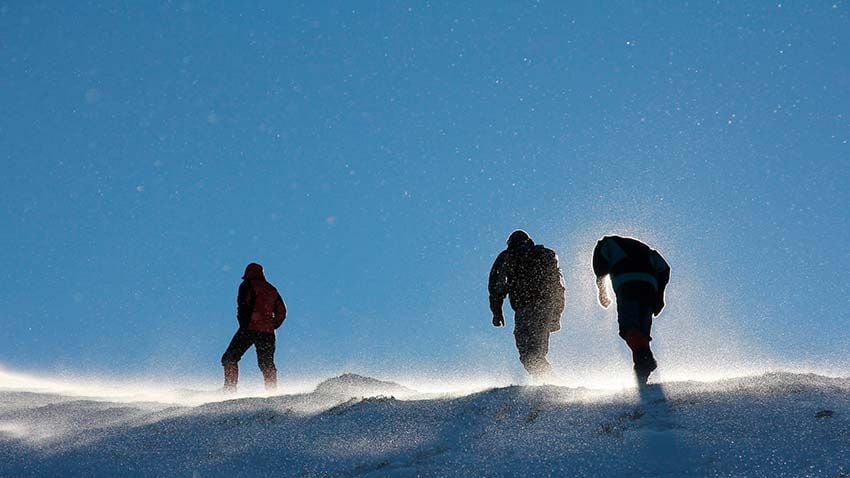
[772,425]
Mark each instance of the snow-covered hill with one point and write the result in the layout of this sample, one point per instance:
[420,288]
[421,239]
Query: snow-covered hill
[772,425]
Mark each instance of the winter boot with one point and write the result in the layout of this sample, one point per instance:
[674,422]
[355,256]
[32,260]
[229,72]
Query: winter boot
[270,377]
[231,376]
[644,365]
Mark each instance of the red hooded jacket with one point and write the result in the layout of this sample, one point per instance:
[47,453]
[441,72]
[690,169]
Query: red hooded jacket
[259,306]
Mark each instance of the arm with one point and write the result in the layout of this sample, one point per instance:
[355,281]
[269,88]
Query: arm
[604,300]
[498,288]
[662,275]
[279,311]
[244,304]
[601,268]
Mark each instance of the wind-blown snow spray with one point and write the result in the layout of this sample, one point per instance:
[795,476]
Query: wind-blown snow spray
[695,337]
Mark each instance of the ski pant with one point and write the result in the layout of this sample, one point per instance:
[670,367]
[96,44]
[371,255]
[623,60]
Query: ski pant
[634,315]
[531,332]
[243,340]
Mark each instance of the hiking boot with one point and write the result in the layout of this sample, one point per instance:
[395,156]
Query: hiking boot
[645,367]
[231,376]
[270,379]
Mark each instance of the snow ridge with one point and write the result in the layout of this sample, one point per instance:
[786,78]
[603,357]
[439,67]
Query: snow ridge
[777,424]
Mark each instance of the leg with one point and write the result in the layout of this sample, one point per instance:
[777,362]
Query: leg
[239,344]
[531,332]
[635,320]
[645,362]
[265,359]
[533,347]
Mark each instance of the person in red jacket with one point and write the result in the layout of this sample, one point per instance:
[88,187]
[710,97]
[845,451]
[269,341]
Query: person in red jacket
[260,310]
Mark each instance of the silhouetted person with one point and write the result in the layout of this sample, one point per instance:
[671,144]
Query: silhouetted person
[260,310]
[530,275]
[639,276]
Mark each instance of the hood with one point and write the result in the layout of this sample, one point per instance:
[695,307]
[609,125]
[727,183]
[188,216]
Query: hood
[519,239]
[253,271]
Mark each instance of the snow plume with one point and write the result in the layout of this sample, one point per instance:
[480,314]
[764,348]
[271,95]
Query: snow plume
[699,335]
[167,390]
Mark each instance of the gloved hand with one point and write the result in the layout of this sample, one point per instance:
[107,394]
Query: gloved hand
[604,300]
[498,321]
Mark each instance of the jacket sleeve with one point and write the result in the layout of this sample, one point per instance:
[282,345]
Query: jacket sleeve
[498,283]
[279,311]
[601,267]
[662,275]
[244,303]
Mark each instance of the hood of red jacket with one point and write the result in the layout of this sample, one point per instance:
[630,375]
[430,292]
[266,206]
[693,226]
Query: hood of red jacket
[254,271]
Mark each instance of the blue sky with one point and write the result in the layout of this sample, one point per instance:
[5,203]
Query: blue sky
[374,157]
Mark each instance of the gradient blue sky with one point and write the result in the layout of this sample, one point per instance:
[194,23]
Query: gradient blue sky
[374,156]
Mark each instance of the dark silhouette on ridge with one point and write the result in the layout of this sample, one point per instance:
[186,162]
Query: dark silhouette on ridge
[529,274]
[639,276]
[260,310]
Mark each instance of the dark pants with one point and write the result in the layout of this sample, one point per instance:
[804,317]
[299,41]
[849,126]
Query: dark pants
[243,340]
[531,332]
[634,315]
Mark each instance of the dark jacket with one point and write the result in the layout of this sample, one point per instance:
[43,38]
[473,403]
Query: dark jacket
[259,307]
[530,275]
[636,269]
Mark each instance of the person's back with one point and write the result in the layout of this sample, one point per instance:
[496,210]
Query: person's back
[636,270]
[533,276]
[259,304]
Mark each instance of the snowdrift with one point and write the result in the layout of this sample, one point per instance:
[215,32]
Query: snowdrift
[772,425]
